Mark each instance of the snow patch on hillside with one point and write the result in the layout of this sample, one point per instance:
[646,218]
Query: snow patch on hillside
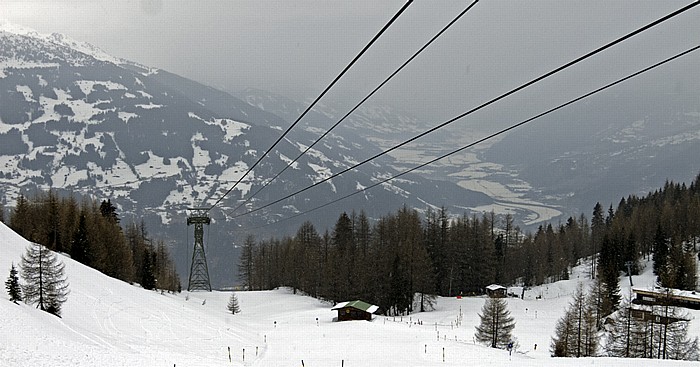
[231,128]
[26,92]
[87,86]
[288,160]
[126,116]
[22,64]
[149,106]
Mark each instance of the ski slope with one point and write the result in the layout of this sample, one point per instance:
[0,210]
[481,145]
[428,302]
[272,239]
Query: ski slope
[107,322]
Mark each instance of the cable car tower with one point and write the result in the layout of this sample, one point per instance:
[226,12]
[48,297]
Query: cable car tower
[199,271]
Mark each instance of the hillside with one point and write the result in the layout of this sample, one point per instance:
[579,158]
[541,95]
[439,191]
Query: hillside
[109,323]
[78,121]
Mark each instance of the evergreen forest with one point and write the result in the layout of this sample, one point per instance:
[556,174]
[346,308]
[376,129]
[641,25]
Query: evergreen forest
[401,261]
[91,233]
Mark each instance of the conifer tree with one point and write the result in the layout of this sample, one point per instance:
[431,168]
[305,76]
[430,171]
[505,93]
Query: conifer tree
[164,269]
[80,246]
[609,274]
[233,306]
[51,225]
[45,283]
[664,336]
[109,211]
[677,343]
[660,249]
[21,218]
[12,285]
[575,333]
[672,341]
[148,277]
[245,262]
[625,337]
[564,333]
[496,324]
[341,255]
[597,230]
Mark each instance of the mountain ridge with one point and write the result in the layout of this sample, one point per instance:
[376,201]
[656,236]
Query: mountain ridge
[156,143]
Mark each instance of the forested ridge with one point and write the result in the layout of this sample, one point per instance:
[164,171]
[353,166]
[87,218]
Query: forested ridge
[401,261]
[91,233]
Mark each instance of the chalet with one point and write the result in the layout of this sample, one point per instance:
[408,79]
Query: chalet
[496,291]
[355,310]
[650,316]
[671,297]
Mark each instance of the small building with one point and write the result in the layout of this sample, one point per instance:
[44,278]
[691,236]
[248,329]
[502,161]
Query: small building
[671,297]
[355,310]
[650,316]
[496,291]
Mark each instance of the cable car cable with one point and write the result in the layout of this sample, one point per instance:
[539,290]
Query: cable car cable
[491,136]
[357,105]
[483,105]
[263,155]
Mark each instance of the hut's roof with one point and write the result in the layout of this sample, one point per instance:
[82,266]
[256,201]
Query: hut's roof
[363,306]
[672,293]
[494,287]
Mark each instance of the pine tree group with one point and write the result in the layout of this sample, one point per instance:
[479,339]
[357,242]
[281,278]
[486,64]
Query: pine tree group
[12,285]
[496,324]
[92,234]
[45,283]
[664,335]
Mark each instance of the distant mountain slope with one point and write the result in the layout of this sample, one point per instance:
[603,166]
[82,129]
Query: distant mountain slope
[78,121]
[628,142]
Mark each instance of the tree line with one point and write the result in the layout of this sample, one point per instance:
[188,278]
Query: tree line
[403,255]
[91,233]
[663,226]
[402,261]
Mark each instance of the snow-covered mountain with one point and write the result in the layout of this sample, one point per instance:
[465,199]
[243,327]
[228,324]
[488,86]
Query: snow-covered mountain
[79,121]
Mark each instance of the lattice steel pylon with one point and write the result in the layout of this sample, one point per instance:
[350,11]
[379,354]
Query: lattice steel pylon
[199,271]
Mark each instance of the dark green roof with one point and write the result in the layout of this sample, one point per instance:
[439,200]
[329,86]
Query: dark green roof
[360,305]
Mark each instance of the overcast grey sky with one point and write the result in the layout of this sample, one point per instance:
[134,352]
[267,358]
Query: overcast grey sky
[297,47]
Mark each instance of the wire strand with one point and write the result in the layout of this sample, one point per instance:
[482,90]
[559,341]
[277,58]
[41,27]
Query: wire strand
[444,29]
[492,101]
[642,71]
[262,156]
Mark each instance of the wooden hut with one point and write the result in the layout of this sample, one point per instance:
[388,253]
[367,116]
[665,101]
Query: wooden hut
[671,297]
[496,291]
[355,310]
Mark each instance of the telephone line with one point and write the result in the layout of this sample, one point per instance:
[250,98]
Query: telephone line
[492,101]
[357,105]
[512,127]
[262,156]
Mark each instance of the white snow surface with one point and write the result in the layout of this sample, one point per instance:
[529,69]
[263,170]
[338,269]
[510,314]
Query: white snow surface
[59,39]
[107,322]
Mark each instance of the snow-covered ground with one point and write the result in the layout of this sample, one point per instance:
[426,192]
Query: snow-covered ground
[107,322]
